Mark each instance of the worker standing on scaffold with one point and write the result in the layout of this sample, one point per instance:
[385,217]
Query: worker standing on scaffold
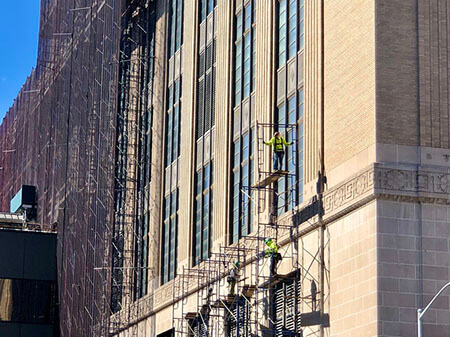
[272,252]
[232,279]
[278,143]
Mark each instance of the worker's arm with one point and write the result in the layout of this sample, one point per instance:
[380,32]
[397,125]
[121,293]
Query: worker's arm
[269,252]
[285,142]
[271,141]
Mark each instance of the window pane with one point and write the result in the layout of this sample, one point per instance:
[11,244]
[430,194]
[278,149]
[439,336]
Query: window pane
[247,53]
[175,133]
[237,154]
[292,28]
[173,20]
[199,183]
[245,146]
[205,234]
[248,17]
[167,208]
[177,91]
[210,6]
[282,114]
[169,139]
[207,176]
[202,10]
[282,33]
[253,61]
[239,26]
[302,23]
[301,103]
[238,72]
[292,118]
[179,27]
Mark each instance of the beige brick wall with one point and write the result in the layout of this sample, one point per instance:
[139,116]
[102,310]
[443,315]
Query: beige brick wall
[396,74]
[349,79]
[412,60]
[353,267]
[434,53]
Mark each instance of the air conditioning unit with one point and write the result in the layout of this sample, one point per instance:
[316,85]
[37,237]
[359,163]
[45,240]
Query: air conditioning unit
[24,201]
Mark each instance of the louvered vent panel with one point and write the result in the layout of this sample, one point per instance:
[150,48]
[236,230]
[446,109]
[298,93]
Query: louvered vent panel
[298,301]
[213,98]
[209,56]
[201,64]
[200,108]
[208,102]
[290,306]
[243,320]
[287,316]
[279,309]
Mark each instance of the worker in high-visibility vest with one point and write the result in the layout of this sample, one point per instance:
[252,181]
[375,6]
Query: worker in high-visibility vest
[232,279]
[278,142]
[272,252]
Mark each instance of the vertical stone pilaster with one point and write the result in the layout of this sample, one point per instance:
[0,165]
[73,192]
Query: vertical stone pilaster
[187,155]
[313,94]
[156,185]
[224,55]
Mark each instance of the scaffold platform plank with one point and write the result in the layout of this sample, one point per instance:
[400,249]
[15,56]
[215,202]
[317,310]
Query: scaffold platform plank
[190,315]
[274,279]
[270,179]
[248,290]
[224,301]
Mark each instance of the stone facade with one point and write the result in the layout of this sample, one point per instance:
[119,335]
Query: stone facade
[387,228]
[381,127]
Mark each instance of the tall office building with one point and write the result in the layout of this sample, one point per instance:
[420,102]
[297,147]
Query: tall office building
[143,129]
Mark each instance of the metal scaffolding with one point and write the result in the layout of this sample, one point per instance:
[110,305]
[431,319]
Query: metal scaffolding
[263,302]
[85,112]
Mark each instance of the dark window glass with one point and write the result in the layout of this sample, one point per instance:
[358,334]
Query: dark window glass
[210,6]
[204,126]
[172,147]
[292,36]
[291,29]
[302,24]
[282,32]
[248,19]
[179,24]
[238,74]
[244,85]
[203,213]
[169,237]
[28,301]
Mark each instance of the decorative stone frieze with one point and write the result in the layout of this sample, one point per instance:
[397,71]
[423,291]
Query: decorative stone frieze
[341,196]
[375,181]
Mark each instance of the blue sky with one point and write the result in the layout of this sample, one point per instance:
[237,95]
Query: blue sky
[19,30]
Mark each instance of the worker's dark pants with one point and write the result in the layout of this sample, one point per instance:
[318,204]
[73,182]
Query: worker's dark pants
[231,285]
[274,259]
[314,302]
[278,160]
